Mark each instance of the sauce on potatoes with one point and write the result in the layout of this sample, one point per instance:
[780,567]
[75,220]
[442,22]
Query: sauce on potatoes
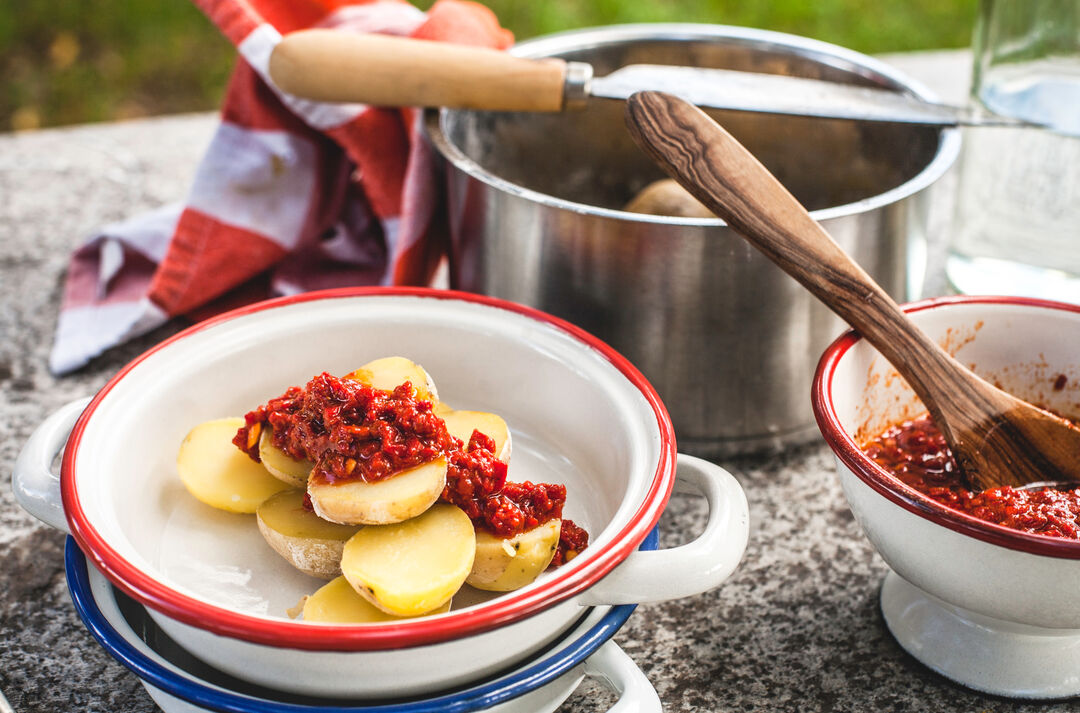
[352,431]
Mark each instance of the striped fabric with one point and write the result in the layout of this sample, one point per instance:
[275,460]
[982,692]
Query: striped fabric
[291,195]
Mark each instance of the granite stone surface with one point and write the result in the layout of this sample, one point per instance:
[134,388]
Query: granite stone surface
[797,628]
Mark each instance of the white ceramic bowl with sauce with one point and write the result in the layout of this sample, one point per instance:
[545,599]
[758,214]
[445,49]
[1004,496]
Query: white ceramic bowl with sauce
[580,415]
[992,608]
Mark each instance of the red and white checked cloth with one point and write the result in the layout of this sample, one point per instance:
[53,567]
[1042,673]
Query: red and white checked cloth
[291,195]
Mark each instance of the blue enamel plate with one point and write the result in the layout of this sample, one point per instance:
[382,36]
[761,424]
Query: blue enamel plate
[126,632]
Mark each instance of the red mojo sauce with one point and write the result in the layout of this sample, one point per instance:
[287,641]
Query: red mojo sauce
[915,452]
[349,430]
[352,431]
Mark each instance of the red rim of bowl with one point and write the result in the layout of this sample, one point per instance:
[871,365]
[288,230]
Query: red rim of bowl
[848,451]
[432,630]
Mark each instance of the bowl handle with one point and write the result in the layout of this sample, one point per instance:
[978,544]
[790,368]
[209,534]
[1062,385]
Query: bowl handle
[37,488]
[612,667]
[660,575]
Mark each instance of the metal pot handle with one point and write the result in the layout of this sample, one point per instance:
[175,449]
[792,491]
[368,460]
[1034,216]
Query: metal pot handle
[698,566]
[37,488]
[616,670]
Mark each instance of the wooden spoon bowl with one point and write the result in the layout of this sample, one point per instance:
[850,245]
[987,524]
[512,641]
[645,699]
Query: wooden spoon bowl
[996,438]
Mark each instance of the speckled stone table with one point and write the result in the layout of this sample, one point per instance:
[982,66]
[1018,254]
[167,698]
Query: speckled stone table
[797,628]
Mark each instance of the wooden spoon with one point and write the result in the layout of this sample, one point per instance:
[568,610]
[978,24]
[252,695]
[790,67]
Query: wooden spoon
[996,438]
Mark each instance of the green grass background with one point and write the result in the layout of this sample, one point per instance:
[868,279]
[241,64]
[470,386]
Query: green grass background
[73,61]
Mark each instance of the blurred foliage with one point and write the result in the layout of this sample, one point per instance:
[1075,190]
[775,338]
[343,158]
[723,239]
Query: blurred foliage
[70,61]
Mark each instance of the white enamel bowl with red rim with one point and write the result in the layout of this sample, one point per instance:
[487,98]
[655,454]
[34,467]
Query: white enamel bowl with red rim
[580,414]
[992,608]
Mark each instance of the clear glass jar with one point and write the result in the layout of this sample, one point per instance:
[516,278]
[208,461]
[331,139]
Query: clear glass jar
[1017,226]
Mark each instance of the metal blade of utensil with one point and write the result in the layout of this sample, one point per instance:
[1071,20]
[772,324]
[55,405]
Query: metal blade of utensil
[780,94]
[331,65]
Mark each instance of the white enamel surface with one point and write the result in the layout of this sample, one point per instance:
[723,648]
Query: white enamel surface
[575,419]
[988,579]
[36,487]
[1021,348]
[621,674]
[376,674]
[700,565]
[643,576]
[609,664]
[1024,349]
[969,648]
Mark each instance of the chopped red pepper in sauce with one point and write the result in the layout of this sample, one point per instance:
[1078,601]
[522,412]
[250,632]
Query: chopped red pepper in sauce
[572,540]
[915,452]
[352,431]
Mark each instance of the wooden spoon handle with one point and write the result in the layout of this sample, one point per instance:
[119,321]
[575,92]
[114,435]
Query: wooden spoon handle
[723,175]
[339,66]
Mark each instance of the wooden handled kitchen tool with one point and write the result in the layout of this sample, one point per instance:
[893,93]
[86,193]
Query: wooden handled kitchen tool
[332,65]
[997,439]
[340,66]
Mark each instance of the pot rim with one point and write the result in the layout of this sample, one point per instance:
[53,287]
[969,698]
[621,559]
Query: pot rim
[824,52]
[483,617]
[881,481]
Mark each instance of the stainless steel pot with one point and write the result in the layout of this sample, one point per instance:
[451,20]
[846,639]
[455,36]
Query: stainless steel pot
[728,340]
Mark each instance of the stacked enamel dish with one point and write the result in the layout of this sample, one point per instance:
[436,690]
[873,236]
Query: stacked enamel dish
[580,414]
[180,683]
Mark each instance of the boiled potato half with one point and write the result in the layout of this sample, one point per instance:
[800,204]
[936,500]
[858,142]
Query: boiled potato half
[412,567]
[399,497]
[389,373]
[220,474]
[505,564]
[461,424]
[667,197]
[280,464]
[304,539]
[336,602]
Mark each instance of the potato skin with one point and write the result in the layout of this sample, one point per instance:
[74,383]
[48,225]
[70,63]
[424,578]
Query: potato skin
[506,564]
[307,542]
[667,198]
[318,558]
[396,499]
